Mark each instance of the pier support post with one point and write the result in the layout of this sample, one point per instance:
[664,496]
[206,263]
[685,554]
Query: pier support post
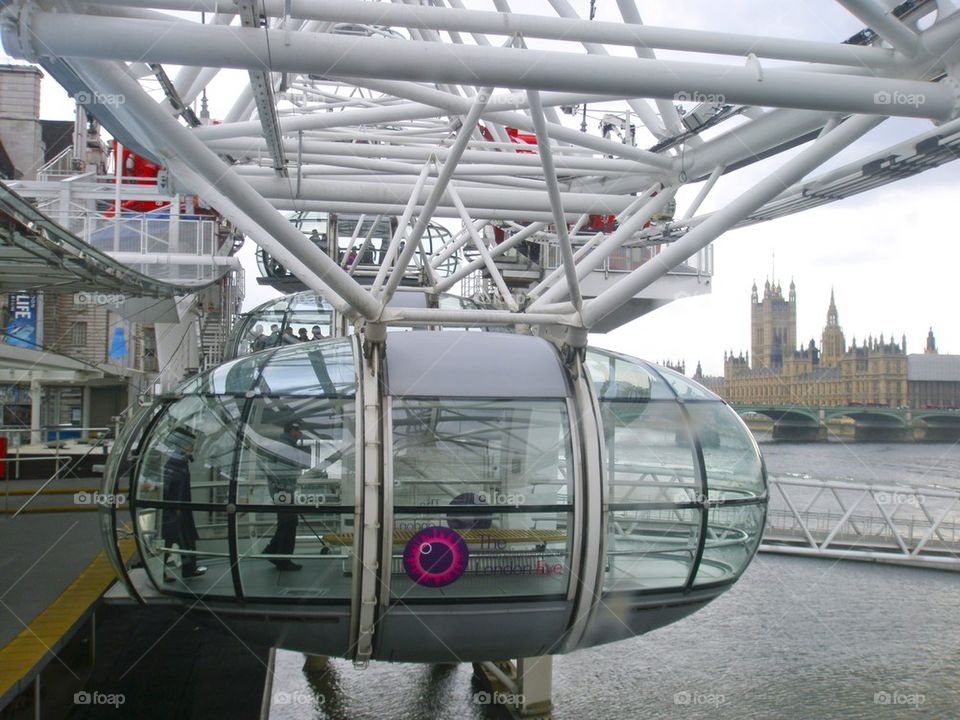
[316,664]
[524,688]
[36,407]
[535,682]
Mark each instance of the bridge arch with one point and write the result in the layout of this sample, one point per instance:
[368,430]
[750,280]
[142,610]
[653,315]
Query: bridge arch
[939,425]
[789,423]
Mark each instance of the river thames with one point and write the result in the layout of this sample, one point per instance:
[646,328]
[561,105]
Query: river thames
[795,637]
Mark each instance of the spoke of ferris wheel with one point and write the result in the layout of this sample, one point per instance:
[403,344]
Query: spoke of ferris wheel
[639,106]
[722,220]
[556,201]
[72,35]
[610,245]
[356,234]
[555,274]
[668,111]
[474,265]
[536,26]
[451,103]
[433,199]
[237,200]
[517,163]
[457,241]
[367,244]
[478,242]
[702,194]
[879,19]
[401,230]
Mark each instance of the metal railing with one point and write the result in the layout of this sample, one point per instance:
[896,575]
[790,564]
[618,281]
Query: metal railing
[628,259]
[880,523]
[142,232]
[91,441]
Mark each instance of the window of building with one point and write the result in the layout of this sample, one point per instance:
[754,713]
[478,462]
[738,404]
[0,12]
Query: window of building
[78,334]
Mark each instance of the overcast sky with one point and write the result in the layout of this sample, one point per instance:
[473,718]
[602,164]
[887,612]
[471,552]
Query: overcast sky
[891,254]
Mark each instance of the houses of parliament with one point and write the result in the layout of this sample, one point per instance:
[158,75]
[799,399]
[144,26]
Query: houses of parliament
[875,371]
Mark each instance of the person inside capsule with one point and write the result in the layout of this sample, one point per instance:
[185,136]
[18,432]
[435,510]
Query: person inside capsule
[282,468]
[178,527]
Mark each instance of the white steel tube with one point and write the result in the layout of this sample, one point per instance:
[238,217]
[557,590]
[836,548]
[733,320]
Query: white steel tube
[392,192]
[704,191]
[668,111]
[507,244]
[528,25]
[556,202]
[447,211]
[594,260]
[640,107]
[387,259]
[353,238]
[882,21]
[456,242]
[455,103]
[72,35]
[260,236]
[429,316]
[484,251]
[557,271]
[725,218]
[443,179]
[285,241]
[323,148]
[366,244]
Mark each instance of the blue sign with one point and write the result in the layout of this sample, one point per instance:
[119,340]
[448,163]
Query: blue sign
[118,345]
[22,326]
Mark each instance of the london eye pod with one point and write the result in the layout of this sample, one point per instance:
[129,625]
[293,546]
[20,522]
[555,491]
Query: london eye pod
[447,496]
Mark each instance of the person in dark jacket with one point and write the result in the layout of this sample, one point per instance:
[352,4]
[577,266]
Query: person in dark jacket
[282,468]
[178,527]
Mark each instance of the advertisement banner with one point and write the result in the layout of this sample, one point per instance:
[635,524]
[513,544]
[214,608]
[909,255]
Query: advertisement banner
[22,323]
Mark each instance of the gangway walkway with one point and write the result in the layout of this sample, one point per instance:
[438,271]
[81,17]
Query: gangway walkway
[917,526]
[37,253]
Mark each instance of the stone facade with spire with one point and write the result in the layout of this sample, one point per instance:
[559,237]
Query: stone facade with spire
[874,372]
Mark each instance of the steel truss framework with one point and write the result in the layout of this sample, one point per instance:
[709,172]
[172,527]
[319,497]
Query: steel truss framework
[879,523]
[413,110]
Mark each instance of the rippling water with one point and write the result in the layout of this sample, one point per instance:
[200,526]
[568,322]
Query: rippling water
[795,638]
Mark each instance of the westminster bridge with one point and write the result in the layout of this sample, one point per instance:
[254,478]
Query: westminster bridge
[865,423]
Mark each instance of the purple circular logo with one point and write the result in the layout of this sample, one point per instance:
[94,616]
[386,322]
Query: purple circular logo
[435,556]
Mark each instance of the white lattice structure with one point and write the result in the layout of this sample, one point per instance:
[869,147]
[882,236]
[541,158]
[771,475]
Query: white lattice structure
[415,111]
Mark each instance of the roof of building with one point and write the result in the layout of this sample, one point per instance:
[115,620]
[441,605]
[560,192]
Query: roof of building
[21,69]
[933,368]
[821,373]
